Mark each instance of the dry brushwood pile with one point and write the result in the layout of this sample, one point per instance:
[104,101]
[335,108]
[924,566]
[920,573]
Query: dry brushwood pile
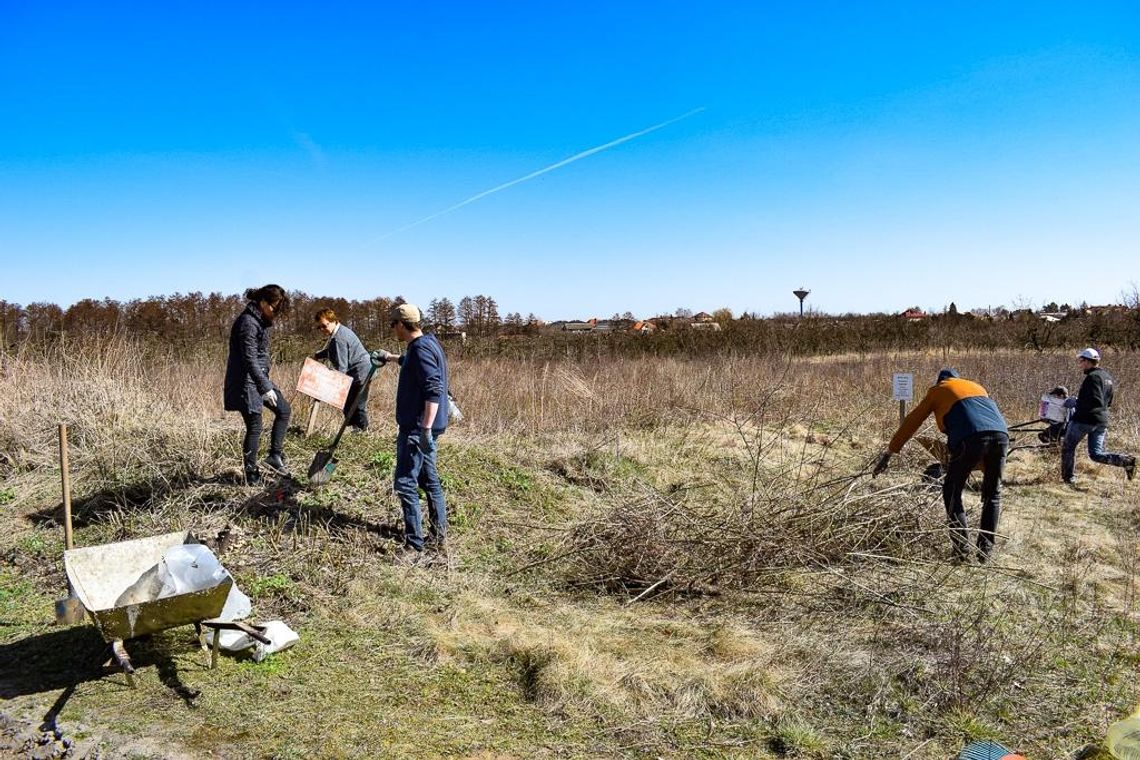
[678,542]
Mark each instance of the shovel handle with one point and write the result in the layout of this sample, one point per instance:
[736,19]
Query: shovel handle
[68,539]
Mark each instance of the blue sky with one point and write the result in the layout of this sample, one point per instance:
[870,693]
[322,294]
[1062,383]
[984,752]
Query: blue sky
[881,154]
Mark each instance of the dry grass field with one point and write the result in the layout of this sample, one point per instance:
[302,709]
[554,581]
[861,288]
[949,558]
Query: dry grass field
[649,558]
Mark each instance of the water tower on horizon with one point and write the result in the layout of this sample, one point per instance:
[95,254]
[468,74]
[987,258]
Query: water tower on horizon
[801,294]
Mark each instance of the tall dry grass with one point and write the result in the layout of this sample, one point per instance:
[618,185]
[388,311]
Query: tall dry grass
[132,412]
[135,407]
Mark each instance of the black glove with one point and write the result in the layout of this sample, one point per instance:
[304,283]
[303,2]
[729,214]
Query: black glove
[881,465]
[423,440]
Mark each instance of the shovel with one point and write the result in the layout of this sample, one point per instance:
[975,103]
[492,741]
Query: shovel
[68,611]
[324,463]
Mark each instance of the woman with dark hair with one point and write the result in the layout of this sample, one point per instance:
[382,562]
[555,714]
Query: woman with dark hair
[248,388]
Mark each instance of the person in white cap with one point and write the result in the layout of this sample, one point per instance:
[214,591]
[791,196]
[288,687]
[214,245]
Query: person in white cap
[1090,417]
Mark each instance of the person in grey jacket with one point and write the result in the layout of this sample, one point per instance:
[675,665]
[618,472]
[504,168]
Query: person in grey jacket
[346,354]
[248,388]
[1090,417]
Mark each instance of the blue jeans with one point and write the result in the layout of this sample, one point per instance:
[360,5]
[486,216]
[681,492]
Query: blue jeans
[1097,434]
[415,470]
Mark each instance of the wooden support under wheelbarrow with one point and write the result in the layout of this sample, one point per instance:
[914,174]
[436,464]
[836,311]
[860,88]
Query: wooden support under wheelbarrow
[255,632]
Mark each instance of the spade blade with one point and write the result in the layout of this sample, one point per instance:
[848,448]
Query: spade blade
[322,468]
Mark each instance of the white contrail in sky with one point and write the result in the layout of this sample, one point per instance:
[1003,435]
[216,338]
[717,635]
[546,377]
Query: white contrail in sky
[540,172]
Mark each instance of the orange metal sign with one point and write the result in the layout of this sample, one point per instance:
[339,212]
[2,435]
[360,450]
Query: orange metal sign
[324,384]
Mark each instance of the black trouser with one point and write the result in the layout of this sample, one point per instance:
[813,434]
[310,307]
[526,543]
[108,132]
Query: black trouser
[989,449]
[252,440]
[359,418]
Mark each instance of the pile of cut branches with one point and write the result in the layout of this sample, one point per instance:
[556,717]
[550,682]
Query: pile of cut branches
[677,542]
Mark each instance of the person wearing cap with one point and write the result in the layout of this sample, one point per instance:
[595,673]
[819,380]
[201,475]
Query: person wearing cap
[976,434]
[421,418]
[1090,417]
[346,354]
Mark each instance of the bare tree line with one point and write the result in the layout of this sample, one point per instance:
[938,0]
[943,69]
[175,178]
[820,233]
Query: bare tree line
[197,321]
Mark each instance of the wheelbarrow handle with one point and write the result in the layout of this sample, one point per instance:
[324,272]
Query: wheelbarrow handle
[253,631]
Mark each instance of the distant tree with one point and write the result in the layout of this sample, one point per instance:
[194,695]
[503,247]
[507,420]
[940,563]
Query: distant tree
[683,313]
[11,322]
[491,320]
[442,314]
[467,314]
[628,316]
[723,316]
[43,320]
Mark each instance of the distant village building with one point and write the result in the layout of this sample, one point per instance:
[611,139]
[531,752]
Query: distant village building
[914,314]
[1107,309]
[577,327]
[643,327]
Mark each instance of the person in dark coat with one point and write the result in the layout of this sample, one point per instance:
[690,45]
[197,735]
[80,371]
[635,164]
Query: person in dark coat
[248,388]
[1090,417]
[346,354]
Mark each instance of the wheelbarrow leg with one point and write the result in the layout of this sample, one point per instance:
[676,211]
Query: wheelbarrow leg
[119,653]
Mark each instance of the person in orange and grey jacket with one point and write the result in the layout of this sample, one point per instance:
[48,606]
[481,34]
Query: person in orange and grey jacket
[248,388]
[1090,417]
[347,354]
[976,433]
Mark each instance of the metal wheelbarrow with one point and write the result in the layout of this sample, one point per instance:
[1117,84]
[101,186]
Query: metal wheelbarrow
[100,574]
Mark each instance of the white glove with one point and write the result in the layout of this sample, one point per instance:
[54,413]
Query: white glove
[270,398]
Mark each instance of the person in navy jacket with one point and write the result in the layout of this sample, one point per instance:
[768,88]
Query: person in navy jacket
[421,417]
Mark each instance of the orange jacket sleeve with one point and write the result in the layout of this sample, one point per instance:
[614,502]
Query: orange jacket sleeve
[912,423]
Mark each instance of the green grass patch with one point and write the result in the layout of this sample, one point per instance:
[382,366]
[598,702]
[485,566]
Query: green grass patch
[273,585]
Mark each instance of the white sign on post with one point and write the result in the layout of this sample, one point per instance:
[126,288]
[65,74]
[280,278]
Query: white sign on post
[903,386]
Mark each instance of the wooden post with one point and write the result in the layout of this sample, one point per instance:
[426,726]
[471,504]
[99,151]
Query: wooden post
[902,412]
[68,540]
[312,424]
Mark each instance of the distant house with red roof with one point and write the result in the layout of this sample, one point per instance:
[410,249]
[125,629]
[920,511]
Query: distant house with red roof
[643,326]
